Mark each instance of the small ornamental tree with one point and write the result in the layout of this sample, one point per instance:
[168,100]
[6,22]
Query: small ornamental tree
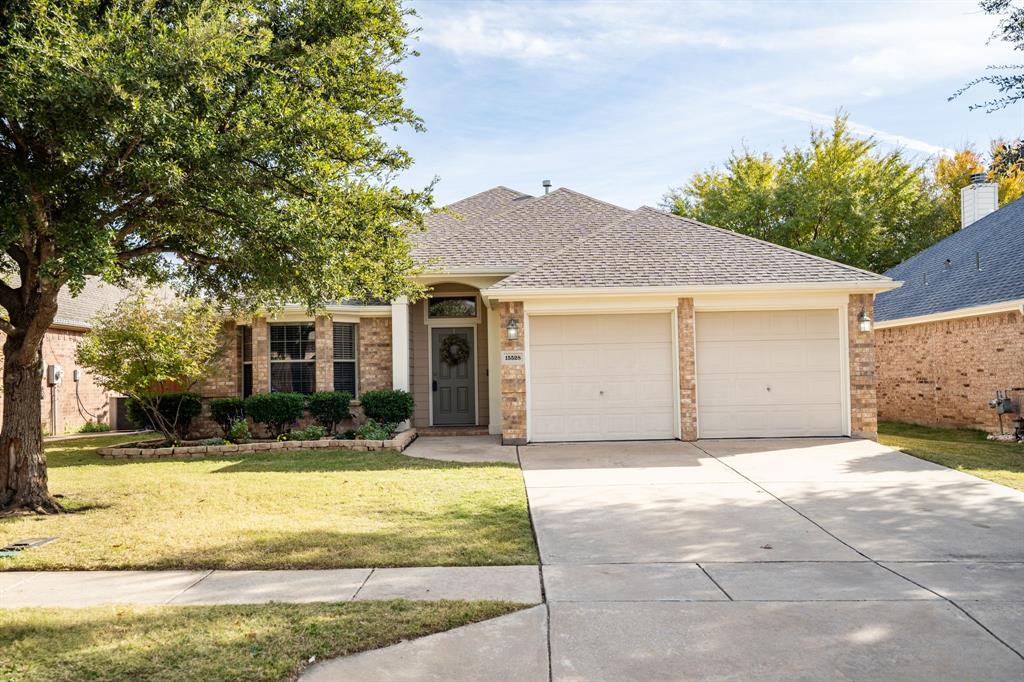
[146,345]
[237,149]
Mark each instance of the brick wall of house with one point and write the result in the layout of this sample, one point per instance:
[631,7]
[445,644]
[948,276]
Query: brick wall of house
[90,402]
[374,355]
[260,355]
[513,380]
[944,373]
[687,370]
[223,379]
[863,402]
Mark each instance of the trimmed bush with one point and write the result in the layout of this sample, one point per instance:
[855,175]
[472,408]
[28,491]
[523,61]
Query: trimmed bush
[389,407]
[329,408]
[177,409]
[225,411]
[94,427]
[278,411]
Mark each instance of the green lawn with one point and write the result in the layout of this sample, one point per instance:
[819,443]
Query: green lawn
[274,510]
[962,449]
[223,643]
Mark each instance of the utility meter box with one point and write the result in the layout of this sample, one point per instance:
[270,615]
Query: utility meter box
[54,375]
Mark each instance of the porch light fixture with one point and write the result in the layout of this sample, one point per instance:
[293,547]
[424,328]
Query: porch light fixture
[512,329]
[864,322]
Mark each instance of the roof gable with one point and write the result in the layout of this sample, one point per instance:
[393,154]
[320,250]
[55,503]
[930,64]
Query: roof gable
[650,248]
[522,234]
[933,285]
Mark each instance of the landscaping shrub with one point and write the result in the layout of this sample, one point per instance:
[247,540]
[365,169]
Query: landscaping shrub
[373,430]
[176,409]
[329,408]
[311,432]
[391,407]
[225,411]
[278,411]
[239,431]
[213,441]
[94,427]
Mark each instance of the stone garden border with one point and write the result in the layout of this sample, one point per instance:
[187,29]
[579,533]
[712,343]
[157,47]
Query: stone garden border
[138,450]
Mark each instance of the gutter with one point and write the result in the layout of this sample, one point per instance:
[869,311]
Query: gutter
[972,311]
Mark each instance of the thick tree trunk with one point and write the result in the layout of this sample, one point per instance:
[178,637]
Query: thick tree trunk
[23,485]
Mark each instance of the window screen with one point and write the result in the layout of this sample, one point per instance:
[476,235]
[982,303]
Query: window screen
[345,357]
[293,357]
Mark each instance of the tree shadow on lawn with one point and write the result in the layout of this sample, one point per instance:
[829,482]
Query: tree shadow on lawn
[496,536]
[342,460]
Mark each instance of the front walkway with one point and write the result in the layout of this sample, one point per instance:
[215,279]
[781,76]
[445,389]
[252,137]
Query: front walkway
[737,560]
[76,589]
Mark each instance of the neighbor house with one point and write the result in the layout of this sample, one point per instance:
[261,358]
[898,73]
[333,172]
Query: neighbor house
[561,317]
[953,334]
[76,398]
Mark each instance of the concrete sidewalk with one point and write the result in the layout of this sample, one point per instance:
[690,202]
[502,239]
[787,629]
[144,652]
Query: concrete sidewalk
[76,589]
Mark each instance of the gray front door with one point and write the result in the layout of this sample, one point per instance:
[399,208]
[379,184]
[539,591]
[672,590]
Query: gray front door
[452,385]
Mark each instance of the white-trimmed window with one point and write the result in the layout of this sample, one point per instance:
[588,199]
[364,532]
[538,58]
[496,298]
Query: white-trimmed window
[345,357]
[293,357]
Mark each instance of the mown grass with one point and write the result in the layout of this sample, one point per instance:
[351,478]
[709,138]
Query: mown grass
[966,450]
[274,510]
[223,643]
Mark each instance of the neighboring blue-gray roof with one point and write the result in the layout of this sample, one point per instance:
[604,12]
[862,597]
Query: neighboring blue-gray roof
[996,242]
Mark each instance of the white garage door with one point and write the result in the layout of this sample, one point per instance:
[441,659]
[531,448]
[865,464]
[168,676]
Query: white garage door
[601,377]
[772,373]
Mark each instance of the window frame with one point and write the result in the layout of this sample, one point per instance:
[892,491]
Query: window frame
[291,361]
[246,329]
[451,321]
[354,361]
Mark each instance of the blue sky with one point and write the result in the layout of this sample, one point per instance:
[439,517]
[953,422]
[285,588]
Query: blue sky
[623,100]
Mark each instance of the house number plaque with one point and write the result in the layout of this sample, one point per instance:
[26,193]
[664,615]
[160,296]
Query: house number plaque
[513,357]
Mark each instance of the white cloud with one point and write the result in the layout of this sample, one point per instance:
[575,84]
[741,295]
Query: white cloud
[859,129]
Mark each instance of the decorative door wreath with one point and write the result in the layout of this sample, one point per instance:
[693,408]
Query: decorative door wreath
[454,350]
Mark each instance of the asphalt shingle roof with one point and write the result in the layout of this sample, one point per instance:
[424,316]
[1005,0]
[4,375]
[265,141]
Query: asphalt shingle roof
[996,242]
[649,248]
[473,208]
[523,233]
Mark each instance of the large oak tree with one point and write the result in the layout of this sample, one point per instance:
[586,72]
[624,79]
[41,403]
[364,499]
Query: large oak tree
[233,148]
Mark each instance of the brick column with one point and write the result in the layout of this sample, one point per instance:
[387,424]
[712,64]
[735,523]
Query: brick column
[513,380]
[225,376]
[260,355]
[374,356]
[863,398]
[687,370]
[324,328]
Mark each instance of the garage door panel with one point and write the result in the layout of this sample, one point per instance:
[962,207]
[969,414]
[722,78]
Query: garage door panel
[601,377]
[769,373]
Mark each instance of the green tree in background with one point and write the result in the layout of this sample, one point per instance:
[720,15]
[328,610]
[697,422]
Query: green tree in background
[231,147]
[839,198]
[952,173]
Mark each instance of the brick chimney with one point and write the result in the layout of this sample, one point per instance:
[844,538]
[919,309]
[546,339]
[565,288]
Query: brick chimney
[978,199]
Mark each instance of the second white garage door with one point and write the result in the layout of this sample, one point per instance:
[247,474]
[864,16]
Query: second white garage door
[601,377]
[772,373]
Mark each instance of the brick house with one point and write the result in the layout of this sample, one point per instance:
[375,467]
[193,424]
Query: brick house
[953,334]
[561,317]
[77,398]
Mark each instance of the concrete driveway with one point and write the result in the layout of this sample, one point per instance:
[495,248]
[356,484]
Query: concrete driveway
[774,560]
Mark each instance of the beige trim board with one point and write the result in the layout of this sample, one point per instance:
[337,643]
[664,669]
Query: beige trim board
[973,311]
